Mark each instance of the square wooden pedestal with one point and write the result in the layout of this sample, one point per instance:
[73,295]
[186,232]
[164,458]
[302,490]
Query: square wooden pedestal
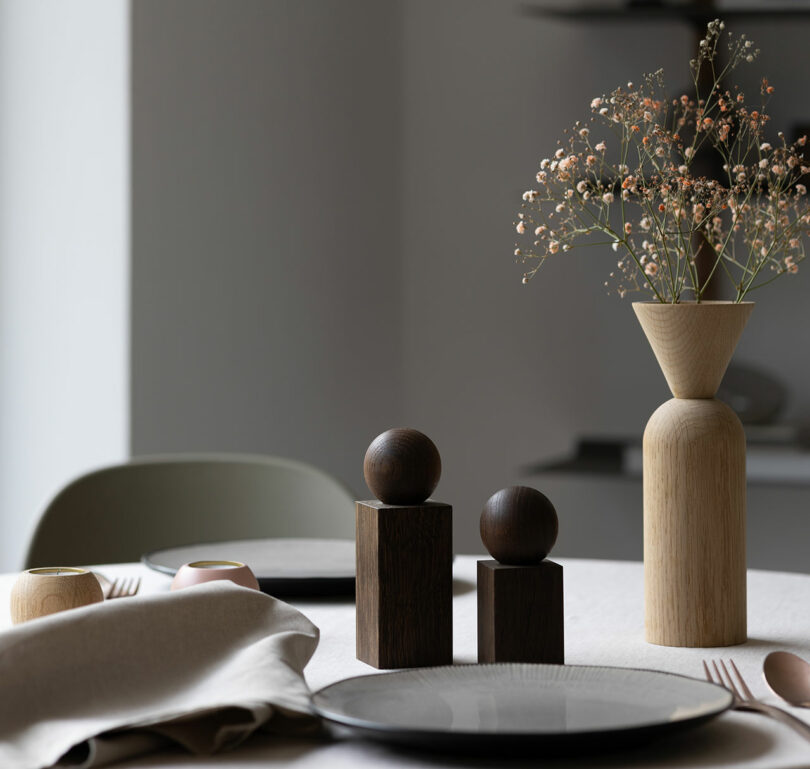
[520,613]
[404,584]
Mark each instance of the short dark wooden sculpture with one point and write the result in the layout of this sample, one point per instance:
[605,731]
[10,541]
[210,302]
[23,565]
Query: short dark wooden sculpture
[520,595]
[404,557]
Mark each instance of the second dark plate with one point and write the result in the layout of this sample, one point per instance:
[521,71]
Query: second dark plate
[285,567]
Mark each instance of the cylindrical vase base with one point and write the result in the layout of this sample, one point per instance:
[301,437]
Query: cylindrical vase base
[694,525]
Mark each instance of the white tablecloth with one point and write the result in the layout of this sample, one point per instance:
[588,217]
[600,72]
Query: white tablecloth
[603,625]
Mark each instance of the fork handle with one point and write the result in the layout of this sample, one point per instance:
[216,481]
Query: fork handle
[788,719]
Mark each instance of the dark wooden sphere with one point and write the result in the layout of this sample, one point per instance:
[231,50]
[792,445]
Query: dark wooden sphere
[519,526]
[402,467]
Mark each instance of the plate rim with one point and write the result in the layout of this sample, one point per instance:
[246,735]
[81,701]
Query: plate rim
[147,558]
[428,733]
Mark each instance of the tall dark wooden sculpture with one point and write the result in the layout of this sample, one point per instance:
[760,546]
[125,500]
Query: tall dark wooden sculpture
[404,556]
[520,595]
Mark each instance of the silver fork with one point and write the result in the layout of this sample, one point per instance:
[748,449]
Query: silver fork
[124,587]
[747,701]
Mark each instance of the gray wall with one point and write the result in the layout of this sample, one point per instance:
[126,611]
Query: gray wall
[322,208]
[267,266]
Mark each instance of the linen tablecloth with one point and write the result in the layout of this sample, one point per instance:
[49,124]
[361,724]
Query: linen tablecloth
[603,626]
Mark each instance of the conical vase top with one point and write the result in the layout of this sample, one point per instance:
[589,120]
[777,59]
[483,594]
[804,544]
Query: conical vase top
[693,342]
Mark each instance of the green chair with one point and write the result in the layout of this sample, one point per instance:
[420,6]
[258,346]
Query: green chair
[118,513]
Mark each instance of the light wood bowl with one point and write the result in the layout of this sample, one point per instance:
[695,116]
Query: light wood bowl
[43,591]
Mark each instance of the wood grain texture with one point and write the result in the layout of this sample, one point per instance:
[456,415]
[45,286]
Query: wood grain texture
[519,525]
[404,584]
[693,342]
[694,525]
[402,467]
[37,595]
[520,613]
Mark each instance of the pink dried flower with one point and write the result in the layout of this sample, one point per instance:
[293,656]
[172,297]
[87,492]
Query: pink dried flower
[755,216]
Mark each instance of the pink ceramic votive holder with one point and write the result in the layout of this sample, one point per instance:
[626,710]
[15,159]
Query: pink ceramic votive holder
[197,572]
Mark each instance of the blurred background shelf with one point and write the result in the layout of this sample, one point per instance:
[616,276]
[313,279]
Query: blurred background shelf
[697,13]
[768,461]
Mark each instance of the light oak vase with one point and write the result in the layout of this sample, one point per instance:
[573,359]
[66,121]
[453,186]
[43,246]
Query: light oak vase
[694,480]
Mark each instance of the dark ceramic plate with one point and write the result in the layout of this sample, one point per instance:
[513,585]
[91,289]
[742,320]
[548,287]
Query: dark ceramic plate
[518,708]
[289,567]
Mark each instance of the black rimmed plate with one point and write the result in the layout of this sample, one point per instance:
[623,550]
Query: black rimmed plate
[283,566]
[515,707]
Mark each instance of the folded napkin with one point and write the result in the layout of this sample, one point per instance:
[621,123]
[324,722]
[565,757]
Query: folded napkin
[204,667]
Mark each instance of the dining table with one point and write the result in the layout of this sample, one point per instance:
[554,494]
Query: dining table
[604,625]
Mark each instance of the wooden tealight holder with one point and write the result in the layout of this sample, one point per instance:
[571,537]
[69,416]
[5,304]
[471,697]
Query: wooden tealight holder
[39,592]
[404,557]
[520,595]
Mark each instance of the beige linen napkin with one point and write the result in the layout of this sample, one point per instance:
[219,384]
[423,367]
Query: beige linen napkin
[204,667]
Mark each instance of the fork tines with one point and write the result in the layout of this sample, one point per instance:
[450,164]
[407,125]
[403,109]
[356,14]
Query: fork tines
[124,587]
[723,677]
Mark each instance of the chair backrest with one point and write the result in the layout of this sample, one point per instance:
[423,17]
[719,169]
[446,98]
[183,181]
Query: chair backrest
[118,513]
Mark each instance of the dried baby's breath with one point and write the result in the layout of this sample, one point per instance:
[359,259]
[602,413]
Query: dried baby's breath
[636,191]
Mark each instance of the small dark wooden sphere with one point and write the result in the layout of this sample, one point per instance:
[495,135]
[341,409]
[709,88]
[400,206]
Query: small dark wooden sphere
[519,526]
[402,467]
